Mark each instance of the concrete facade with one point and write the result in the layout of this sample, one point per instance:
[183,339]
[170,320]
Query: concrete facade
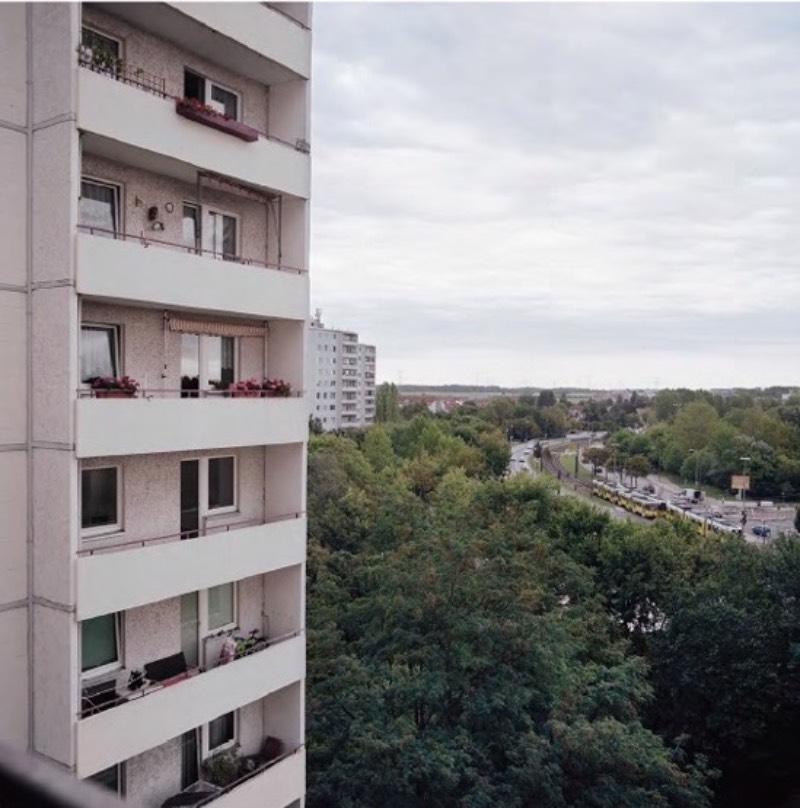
[342,383]
[103,570]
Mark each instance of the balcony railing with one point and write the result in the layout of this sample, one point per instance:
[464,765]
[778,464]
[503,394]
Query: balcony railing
[135,76]
[146,241]
[110,694]
[145,394]
[187,535]
[260,769]
[156,85]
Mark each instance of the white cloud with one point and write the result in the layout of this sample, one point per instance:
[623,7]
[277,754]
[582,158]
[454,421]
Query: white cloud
[567,164]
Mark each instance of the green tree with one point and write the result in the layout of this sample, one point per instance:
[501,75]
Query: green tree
[597,456]
[387,406]
[637,466]
[547,398]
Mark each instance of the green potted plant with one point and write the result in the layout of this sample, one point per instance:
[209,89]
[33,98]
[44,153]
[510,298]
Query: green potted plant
[114,387]
[223,767]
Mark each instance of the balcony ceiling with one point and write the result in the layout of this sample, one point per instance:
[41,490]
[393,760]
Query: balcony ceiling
[168,22]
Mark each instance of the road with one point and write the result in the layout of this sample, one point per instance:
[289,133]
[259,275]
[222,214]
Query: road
[777,517]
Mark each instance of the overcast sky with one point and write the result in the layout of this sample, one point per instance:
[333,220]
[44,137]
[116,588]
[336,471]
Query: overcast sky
[603,195]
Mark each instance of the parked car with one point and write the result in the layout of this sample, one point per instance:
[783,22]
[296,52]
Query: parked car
[762,530]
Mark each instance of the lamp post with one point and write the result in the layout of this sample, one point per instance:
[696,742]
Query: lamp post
[745,461]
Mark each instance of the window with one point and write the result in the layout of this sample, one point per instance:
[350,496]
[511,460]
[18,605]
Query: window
[100,644]
[221,606]
[221,483]
[207,361]
[221,731]
[221,234]
[112,778]
[99,351]
[191,226]
[100,44]
[100,511]
[99,207]
[209,92]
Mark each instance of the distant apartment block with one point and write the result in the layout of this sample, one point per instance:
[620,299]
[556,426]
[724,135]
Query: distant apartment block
[343,378]
[155,194]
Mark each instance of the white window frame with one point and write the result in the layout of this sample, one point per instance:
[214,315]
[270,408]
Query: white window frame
[206,737]
[117,346]
[206,211]
[210,84]
[119,200]
[95,675]
[204,353]
[93,29]
[203,630]
[102,531]
[204,475]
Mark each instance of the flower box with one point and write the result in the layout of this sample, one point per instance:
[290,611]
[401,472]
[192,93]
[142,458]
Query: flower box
[114,387]
[195,110]
[115,394]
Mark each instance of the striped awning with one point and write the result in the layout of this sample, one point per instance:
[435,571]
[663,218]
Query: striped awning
[215,328]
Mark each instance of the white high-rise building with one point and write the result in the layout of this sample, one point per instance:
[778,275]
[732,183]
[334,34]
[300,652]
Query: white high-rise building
[342,392]
[155,173]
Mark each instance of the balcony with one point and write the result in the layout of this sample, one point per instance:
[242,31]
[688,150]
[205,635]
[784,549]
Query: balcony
[276,785]
[248,38]
[124,123]
[119,577]
[150,423]
[126,268]
[145,721]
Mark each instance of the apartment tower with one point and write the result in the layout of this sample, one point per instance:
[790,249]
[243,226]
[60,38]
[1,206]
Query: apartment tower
[342,395]
[155,187]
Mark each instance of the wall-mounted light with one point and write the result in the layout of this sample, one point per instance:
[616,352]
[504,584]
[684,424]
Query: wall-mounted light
[169,207]
[159,226]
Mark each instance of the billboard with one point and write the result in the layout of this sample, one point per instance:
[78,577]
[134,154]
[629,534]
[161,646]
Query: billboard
[740,482]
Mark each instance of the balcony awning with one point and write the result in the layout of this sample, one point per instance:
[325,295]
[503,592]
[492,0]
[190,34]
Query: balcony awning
[216,328]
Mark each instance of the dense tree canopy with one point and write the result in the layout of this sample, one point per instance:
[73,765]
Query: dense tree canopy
[477,640]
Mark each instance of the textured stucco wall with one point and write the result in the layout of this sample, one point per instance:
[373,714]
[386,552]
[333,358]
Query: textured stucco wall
[13,46]
[146,347]
[13,361]
[284,473]
[151,491]
[251,727]
[13,193]
[55,682]
[155,775]
[165,59]
[14,676]
[54,526]
[143,189]
[13,528]
[283,596]
[283,715]
[152,632]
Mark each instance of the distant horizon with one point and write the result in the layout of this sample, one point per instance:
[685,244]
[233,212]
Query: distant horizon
[461,387]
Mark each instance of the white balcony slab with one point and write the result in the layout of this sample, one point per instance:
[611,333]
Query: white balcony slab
[249,38]
[114,581]
[276,787]
[258,28]
[146,722]
[107,427]
[121,271]
[143,130]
